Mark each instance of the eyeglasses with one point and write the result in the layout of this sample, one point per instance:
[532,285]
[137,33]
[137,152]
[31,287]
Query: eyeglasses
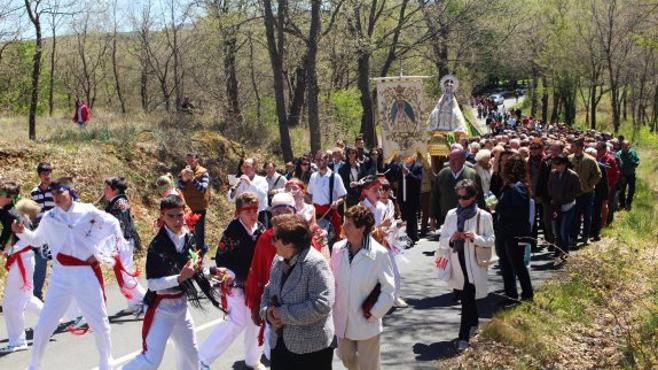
[464,197]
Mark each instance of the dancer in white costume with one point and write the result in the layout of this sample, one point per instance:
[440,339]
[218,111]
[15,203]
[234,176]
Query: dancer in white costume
[79,236]
[18,295]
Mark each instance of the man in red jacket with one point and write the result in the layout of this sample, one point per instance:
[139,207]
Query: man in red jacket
[81,115]
[614,172]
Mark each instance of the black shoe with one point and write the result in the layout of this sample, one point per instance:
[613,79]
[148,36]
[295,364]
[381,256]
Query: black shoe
[596,238]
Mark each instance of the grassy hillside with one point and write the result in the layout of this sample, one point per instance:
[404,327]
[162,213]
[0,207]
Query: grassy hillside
[140,150]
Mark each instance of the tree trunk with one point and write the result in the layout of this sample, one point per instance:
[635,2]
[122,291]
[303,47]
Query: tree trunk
[544,100]
[311,73]
[592,107]
[555,113]
[143,86]
[234,114]
[533,93]
[276,59]
[36,71]
[51,79]
[252,74]
[115,71]
[367,118]
[298,92]
[624,99]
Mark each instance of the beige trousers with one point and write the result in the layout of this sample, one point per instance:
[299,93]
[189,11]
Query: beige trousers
[360,354]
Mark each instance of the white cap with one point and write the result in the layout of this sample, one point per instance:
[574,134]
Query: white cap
[283,199]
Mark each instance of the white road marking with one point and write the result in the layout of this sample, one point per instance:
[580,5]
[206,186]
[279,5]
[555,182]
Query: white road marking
[118,361]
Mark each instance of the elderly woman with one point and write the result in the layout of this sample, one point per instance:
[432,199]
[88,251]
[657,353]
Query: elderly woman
[297,300]
[466,240]
[364,291]
[484,169]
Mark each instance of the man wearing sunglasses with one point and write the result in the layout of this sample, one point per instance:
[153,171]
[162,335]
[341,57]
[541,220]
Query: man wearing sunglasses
[233,258]
[78,235]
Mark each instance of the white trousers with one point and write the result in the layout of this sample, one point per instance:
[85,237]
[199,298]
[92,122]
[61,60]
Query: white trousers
[132,284]
[77,284]
[396,274]
[173,320]
[238,319]
[18,298]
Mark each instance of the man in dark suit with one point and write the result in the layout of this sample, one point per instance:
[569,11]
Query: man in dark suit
[409,190]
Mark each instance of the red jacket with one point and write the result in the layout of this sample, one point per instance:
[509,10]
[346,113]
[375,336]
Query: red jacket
[86,115]
[613,170]
[259,272]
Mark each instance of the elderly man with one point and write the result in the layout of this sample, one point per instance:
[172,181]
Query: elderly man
[589,174]
[629,162]
[251,182]
[444,197]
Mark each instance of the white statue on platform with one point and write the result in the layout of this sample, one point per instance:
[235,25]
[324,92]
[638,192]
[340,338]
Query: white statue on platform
[446,115]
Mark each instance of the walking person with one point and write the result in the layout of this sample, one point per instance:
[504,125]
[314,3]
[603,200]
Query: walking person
[365,291]
[250,181]
[18,296]
[194,182]
[81,115]
[119,207]
[298,299]
[589,175]
[78,235]
[467,240]
[563,187]
[514,225]
[44,198]
[629,162]
[233,259]
[173,265]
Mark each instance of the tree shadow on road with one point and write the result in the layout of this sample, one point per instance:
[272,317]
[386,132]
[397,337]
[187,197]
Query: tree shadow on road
[444,300]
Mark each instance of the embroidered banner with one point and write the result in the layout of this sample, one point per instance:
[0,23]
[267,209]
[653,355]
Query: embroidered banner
[402,115]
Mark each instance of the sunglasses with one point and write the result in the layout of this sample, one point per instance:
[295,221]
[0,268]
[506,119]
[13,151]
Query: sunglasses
[464,197]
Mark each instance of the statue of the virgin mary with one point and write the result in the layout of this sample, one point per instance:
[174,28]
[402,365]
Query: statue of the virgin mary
[446,115]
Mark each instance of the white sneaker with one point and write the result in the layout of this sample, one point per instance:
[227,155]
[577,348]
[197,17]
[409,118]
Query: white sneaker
[400,303]
[259,366]
[461,345]
[11,349]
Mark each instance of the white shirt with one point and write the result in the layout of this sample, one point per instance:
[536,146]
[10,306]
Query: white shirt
[277,181]
[390,210]
[378,210]
[455,175]
[307,211]
[80,232]
[258,186]
[318,187]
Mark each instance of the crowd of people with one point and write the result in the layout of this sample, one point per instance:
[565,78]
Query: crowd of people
[309,262]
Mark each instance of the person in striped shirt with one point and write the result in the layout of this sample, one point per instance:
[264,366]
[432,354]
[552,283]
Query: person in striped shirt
[43,196]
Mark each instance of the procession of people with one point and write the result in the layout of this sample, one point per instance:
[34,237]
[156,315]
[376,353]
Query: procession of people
[309,262]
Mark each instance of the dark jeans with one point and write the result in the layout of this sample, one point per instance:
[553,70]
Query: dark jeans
[626,199]
[410,215]
[509,279]
[597,218]
[425,209]
[200,231]
[613,204]
[562,229]
[469,307]
[283,359]
[584,204]
[40,266]
[514,255]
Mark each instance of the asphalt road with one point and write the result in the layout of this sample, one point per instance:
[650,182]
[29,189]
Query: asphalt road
[413,337]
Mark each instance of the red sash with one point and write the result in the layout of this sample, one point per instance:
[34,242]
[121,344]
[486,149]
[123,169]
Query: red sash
[119,269]
[67,260]
[332,215]
[150,314]
[16,258]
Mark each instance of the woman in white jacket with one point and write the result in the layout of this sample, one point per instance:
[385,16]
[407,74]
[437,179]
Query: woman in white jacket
[364,291]
[466,240]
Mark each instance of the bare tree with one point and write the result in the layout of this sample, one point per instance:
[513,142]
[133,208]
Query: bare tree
[115,64]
